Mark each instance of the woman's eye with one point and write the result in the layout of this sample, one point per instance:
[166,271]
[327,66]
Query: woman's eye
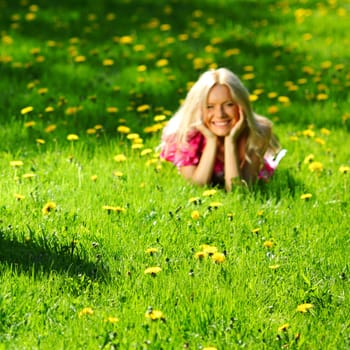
[210,107]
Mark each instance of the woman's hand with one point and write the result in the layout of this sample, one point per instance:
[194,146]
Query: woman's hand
[238,127]
[205,131]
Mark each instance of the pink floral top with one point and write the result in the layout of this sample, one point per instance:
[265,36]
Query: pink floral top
[191,153]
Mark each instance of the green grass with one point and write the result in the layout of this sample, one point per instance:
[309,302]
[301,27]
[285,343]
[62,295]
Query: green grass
[74,278]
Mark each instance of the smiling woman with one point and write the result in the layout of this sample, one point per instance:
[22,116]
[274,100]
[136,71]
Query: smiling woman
[215,137]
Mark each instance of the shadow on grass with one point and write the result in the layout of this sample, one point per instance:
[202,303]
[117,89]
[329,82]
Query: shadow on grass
[32,257]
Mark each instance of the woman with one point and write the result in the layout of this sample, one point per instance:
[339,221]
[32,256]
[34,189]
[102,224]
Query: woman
[215,137]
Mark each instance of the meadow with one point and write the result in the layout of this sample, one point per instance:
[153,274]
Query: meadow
[105,246]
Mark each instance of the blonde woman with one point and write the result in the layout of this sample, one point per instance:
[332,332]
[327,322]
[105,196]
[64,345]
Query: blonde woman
[215,137]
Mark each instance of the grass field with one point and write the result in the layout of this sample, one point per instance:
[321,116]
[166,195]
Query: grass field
[104,246]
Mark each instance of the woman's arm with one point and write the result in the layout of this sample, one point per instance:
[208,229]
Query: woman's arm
[202,173]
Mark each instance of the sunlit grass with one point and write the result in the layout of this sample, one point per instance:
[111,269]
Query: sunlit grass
[103,245]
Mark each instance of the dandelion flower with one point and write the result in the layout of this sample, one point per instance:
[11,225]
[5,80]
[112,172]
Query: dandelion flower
[50,128]
[154,315]
[94,177]
[201,255]
[209,348]
[215,205]
[303,308]
[146,152]
[152,270]
[195,215]
[86,311]
[344,169]
[306,196]
[268,244]
[255,230]
[112,109]
[108,62]
[325,131]
[316,167]
[209,249]
[110,208]
[30,124]
[72,137]
[209,193]
[309,133]
[143,108]
[151,251]
[112,319]
[48,207]
[218,257]
[16,163]
[274,267]
[26,110]
[283,327]
[28,176]
[309,159]
[19,197]
[120,158]
[194,200]
[123,129]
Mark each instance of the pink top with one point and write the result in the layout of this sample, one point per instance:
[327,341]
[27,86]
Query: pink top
[191,153]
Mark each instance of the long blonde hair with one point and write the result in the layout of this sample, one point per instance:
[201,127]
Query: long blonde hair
[190,112]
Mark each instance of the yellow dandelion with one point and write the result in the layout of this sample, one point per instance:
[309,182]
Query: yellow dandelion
[201,255]
[209,249]
[209,193]
[112,110]
[320,141]
[123,129]
[195,215]
[322,97]
[293,138]
[120,158]
[72,137]
[146,152]
[19,197]
[283,99]
[215,205]
[126,39]
[133,136]
[48,207]
[49,109]
[143,108]
[91,131]
[159,118]
[162,63]
[151,251]
[272,95]
[30,124]
[118,174]
[316,167]
[253,97]
[268,244]
[218,257]
[110,208]
[108,62]
[50,128]
[248,76]
[137,146]
[26,110]
[112,319]
[344,169]
[28,176]
[274,267]
[303,308]
[273,109]
[209,348]
[152,270]
[326,64]
[16,163]
[309,159]
[306,196]
[80,59]
[283,327]
[308,133]
[255,230]
[232,52]
[155,315]
[93,177]
[87,311]
[325,131]
[194,200]
[40,141]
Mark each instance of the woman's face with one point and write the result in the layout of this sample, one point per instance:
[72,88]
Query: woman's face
[220,113]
